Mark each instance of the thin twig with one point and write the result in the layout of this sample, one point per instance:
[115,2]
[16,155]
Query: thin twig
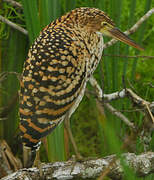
[130,110]
[3,119]
[104,98]
[133,28]
[13,25]
[14,3]
[131,85]
[140,102]
[124,56]
[112,96]
[5,74]
[8,109]
[118,95]
[112,110]
[68,128]
[120,115]
[151,85]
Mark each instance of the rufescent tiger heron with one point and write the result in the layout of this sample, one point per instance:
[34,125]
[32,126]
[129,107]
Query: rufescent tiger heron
[60,62]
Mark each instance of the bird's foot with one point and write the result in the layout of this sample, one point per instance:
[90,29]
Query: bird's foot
[38,164]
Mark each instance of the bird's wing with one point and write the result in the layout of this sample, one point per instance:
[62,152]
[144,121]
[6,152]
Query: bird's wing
[53,77]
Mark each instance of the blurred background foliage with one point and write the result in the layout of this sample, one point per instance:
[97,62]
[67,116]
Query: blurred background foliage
[96,134]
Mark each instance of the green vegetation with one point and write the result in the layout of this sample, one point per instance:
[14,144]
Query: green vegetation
[96,135]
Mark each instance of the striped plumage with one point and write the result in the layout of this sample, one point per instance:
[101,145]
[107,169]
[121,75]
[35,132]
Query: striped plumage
[59,64]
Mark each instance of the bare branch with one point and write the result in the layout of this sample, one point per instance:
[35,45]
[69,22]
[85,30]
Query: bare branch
[120,115]
[104,98]
[133,28]
[3,119]
[114,96]
[135,99]
[142,164]
[5,74]
[14,3]
[68,128]
[116,113]
[122,94]
[140,102]
[110,97]
[124,56]
[13,25]
[8,161]
[139,22]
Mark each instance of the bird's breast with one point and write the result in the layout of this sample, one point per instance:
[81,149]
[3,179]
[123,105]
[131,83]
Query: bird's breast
[95,51]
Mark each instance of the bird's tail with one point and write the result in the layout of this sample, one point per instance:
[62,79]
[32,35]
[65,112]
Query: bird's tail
[31,134]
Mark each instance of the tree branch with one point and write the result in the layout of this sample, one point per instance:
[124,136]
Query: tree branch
[105,98]
[142,164]
[120,115]
[13,25]
[14,3]
[124,56]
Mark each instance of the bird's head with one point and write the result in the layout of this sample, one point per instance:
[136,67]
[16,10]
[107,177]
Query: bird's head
[112,31]
[95,20]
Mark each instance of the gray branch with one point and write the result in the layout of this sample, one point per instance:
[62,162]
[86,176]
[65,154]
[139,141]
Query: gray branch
[142,164]
[105,98]
[13,25]
[120,115]
[14,3]
[120,94]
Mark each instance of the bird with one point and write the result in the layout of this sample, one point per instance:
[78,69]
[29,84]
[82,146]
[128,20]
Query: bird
[60,62]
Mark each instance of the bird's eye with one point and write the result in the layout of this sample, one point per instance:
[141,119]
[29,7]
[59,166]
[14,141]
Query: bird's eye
[104,24]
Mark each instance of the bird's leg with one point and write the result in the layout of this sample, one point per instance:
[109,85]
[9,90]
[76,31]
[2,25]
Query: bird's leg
[68,128]
[45,143]
[37,161]
[28,156]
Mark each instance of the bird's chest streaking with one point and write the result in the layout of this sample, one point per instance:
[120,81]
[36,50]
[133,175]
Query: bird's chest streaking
[95,51]
[59,64]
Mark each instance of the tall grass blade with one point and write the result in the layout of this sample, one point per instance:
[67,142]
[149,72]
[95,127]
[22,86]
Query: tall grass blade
[116,7]
[55,9]
[44,13]
[140,38]
[56,151]
[13,57]
[100,4]
[69,5]
[31,18]
[130,23]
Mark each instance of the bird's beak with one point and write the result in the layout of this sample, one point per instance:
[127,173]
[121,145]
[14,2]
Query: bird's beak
[119,35]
